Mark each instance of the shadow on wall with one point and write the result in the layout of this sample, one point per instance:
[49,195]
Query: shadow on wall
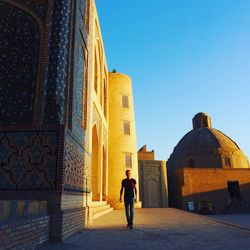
[226,190]
[216,201]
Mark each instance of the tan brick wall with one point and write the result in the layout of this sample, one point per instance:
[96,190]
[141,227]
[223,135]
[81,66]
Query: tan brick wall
[205,180]
[143,154]
[209,184]
[146,155]
[120,144]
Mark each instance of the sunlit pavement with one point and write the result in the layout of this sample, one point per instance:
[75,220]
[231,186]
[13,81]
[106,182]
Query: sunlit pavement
[159,228]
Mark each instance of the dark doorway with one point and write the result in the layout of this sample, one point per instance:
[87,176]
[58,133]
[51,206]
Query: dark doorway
[233,188]
[191,163]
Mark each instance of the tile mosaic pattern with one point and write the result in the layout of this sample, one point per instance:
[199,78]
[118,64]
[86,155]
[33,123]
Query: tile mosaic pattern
[19,48]
[28,160]
[38,6]
[58,62]
[79,76]
[77,166]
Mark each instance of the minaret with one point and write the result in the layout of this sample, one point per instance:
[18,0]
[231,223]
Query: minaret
[122,135]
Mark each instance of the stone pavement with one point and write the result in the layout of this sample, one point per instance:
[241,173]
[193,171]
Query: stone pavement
[237,220]
[158,228]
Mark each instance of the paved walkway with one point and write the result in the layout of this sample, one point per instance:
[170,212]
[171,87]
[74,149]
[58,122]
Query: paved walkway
[237,220]
[157,229]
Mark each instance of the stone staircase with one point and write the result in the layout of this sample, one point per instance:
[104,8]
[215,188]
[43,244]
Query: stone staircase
[99,209]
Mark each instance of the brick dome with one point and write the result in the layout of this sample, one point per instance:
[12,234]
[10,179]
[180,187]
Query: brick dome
[206,147]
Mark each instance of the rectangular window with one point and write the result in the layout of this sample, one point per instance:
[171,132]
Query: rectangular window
[126,128]
[128,161]
[125,101]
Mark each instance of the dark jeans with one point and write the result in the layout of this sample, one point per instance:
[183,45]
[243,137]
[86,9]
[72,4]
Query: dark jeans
[129,209]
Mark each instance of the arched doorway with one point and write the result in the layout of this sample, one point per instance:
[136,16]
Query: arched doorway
[95,166]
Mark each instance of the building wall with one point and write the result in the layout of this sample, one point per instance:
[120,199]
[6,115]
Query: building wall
[43,107]
[23,217]
[54,139]
[143,154]
[98,110]
[35,230]
[153,183]
[209,184]
[120,144]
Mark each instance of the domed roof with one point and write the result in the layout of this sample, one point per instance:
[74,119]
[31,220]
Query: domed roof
[204,137]
[206,147]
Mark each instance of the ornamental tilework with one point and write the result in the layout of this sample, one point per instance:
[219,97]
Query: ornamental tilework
[19,49]
[79,77]
[78,95]
[77,166]
[28,160]
[58,62]
[38,6]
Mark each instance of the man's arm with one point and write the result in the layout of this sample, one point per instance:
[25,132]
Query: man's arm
[135,193]
[121,191]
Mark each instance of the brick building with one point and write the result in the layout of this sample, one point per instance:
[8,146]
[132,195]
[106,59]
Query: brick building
[44,165]
[153,184]
[53,120]
[207,166]
[212,187]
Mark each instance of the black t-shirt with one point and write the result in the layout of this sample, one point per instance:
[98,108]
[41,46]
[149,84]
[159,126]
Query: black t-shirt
[129,185]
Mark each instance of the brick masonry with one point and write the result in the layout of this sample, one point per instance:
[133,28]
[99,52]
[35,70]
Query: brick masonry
[24,233]
[74,220]
[42,123]
[193,184]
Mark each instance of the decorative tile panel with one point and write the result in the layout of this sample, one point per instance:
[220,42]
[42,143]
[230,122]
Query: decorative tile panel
[39,7]
[58,62]
[28,160]
[77,166]
[19,51]
[80,72]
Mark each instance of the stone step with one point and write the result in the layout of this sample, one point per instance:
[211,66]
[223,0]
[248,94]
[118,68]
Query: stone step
[98,203]
[101,213]
[99,209]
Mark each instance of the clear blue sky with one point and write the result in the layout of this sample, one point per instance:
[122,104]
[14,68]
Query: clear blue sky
[185,57]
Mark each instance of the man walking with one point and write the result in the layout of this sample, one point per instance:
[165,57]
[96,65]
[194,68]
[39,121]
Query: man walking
[130,196]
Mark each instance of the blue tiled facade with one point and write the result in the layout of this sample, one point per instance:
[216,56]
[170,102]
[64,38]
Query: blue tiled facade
[43,84]
[28,160]
[57,67]
[52,32]
[19,48]
[43,77]
[79,77]
[77,177]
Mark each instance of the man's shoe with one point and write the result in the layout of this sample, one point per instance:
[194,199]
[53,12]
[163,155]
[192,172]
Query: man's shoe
[130,226]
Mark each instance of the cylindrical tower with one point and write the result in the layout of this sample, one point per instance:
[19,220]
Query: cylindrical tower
[122,135]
